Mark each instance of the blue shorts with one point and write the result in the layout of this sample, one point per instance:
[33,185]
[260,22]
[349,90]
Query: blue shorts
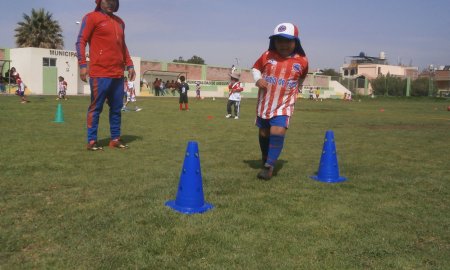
[279,121]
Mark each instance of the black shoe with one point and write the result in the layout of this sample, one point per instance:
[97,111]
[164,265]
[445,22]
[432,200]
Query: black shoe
[265,173]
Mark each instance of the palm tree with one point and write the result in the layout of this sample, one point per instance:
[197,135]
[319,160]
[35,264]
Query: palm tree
[39,30]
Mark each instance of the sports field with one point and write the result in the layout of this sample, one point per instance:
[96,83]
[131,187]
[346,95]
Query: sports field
[63,207]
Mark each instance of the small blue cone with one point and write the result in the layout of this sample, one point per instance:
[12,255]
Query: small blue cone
[190,198]
[328,168]
[59,116]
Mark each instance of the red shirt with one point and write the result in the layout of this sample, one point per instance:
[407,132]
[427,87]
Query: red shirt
[108,52]
[283,76]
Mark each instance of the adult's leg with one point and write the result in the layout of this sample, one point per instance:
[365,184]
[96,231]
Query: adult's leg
[115,97]
[98,96]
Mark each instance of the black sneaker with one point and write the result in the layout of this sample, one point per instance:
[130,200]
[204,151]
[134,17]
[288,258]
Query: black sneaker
[92,146]
[265,173]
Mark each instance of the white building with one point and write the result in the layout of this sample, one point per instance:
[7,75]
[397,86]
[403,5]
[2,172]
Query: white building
[372,67]
[40,68]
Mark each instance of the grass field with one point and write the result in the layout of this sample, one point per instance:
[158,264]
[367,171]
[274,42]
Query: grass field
[63,207]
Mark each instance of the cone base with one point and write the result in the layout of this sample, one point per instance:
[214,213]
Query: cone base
[189,210]
[58,121]
[329,180]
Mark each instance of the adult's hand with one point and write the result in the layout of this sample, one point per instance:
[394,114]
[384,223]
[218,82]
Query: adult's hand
[83,74]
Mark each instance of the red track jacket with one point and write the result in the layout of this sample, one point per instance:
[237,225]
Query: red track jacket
[108,52]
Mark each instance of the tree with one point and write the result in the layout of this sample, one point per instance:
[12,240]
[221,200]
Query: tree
[330,72]
[420,86]
[193,60]
[389,85]
[39,30]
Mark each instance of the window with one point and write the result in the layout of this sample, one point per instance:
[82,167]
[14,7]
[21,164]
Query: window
[49,62]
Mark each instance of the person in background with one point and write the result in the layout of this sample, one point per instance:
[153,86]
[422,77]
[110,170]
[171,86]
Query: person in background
[2,84]
[183,88]
[157,87]
[20,88]
[62,88]
[197,90]
[234,96]
[131,96]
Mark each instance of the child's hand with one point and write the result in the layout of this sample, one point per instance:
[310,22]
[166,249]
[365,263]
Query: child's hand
[261,83]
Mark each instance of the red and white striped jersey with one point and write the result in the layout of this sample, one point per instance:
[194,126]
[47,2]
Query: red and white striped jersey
[283,76]
[62,86]
[234,91]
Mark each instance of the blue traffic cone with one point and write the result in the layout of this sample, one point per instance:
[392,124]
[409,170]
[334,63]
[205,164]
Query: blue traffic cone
[59,116]
[190,198]
[328,168]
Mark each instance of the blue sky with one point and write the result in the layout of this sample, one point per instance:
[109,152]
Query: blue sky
[219,31]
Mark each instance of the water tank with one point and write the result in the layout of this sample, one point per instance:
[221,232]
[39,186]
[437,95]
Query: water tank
[382,55]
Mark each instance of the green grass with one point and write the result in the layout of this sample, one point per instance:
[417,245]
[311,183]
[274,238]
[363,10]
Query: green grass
[63,207]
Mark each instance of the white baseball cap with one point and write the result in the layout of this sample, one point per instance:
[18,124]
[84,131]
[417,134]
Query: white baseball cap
[286,30]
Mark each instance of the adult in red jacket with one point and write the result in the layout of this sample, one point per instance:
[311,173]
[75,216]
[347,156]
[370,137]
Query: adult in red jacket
[108,53]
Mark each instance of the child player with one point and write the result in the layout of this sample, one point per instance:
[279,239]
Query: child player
[131,95]
[183,88]
[62,88]
[278,74]
[20,88]
[234,96]
[197,90]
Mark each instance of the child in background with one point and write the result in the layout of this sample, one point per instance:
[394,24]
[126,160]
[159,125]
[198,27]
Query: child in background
[278,74]
[20,88]
[197,90]
[234,96]
[62,88]
[183,88]
[317,93]
[131,95]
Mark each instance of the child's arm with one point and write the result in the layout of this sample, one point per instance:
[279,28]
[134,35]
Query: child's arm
[259,81]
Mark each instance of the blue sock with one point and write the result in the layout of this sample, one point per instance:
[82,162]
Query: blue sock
[275,147]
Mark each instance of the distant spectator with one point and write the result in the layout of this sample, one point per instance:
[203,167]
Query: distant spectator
[311,94]
[162,86]
[317,93]
[2,84]
[167,87]
[173,87]
[10,75]
[157,86]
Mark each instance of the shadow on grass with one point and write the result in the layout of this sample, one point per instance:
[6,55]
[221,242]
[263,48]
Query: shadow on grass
[125,138]
[257,164]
